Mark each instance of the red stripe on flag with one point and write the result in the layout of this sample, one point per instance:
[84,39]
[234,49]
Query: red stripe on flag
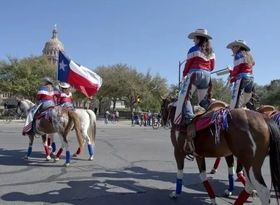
[82,84]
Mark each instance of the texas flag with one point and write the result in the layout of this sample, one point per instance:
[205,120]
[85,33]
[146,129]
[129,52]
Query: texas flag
[80,77]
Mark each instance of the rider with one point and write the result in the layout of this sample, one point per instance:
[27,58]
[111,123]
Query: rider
[200,62]
[242,74]
[45,100]
[45,94]
[65,96]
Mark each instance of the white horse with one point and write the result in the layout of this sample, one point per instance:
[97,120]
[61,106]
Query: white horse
[87,128]
[24,106]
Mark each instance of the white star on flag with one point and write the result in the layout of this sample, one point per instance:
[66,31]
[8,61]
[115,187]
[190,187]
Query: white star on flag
[62,65]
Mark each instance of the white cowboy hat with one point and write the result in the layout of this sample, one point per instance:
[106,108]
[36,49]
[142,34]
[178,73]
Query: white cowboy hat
[241,43]
[48,80]
[199,32]
[64,85]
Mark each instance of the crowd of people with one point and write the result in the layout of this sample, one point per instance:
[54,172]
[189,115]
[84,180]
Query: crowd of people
[145,118]
[113,117]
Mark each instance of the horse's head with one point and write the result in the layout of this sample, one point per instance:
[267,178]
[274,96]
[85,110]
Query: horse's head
[166,109]
[24,106]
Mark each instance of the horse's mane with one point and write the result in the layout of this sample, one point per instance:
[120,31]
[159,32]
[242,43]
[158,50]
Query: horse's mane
[29,102]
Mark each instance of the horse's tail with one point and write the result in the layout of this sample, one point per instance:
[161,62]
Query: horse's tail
[73,117]
[92,128]
[274,155]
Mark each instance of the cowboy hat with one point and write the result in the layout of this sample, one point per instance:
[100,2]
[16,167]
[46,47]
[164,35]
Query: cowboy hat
[47,80]
[199,32]
[240,43]
[64,85]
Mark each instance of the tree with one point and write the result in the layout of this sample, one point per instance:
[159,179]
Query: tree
[24,76]
[123,82]
[269,94]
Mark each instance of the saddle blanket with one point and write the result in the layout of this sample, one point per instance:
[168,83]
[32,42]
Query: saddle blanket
[276,118]
[38,115]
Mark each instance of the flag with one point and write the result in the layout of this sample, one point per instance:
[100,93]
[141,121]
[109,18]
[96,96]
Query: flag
[80,77]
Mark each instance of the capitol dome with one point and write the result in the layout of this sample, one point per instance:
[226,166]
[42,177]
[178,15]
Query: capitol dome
[52,47]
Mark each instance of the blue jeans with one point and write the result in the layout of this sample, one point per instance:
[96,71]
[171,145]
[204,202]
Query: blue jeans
[47,103]
[67,105]
[196,80]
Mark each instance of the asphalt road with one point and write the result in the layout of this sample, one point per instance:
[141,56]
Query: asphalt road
[132,165]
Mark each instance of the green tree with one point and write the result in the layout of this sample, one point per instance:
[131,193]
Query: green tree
[24,76]
[269,94]
[123,82]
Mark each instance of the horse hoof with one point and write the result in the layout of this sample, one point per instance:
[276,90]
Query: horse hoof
[254,194]
[56,159]
[48,158]
[25,157]
[91,158]
[213,171]
[173,195]
[213,201]
[228,193]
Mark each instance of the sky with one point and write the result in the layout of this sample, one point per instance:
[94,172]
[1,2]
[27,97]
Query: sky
[147,35]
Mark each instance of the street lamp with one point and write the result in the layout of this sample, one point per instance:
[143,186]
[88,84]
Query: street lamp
[180,64]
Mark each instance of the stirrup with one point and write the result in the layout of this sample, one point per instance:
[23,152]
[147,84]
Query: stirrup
[189,157]
[190,151]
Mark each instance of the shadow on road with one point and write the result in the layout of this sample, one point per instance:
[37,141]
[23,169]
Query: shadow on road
[133,185]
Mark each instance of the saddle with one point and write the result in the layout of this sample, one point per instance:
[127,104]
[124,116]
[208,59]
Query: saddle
[214,106]
[268,110]
[201,120]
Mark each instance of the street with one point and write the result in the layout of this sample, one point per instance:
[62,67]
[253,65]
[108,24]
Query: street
[132,165]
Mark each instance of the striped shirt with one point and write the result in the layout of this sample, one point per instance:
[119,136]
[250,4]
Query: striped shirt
[198,60]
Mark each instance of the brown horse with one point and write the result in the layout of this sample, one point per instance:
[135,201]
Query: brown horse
[248,135]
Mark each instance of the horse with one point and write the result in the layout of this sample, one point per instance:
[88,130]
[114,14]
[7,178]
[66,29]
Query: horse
[246,134]
[269,111]
[23,107]
[87,128]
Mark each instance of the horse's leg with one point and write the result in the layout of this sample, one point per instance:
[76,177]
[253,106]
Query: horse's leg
[90,148]
[85,138]
[59,152]
[245,193]
[202,170]
[51,144]
[178,144]
[46,147]
[239,173]
[230,164]
[216,164]
[180,158]
[68,155]
[256,179]
[29,150]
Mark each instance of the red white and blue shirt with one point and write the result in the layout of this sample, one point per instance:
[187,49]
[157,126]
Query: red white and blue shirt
[241,68]
[45,94]
[64,98]
[198,60]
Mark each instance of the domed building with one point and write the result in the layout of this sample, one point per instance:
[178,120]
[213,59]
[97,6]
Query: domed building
[53,46]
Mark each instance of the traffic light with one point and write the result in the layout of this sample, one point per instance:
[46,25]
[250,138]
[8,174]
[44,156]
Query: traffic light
[138,99]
